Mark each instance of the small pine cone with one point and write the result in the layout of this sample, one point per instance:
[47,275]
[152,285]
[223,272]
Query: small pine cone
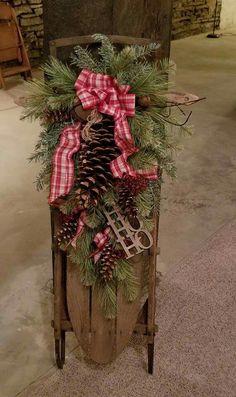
[127,189]
[108,261]
[67,232]
[126,202]
[56,116]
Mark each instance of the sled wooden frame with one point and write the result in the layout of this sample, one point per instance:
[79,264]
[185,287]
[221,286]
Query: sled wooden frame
[63,268]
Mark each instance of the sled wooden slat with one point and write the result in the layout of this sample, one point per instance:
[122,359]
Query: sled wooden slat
[103,332]
[127,312]
[83,40]
[78,301]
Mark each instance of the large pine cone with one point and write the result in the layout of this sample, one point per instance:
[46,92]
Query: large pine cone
[96,153]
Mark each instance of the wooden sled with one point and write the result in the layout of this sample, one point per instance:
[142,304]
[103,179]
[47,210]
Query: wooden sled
[12,46]
[77,307]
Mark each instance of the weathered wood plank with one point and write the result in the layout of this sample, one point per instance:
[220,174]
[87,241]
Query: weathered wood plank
[144,18]
[80,40]
[127,312]
[63,18]
[103,333]
[136,18]
[78,299]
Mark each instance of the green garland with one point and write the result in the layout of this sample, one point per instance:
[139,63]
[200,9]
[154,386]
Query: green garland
[151,129]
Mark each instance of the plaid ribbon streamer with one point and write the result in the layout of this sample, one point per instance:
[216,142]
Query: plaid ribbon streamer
[80,228]
[100,240]
[63,166]
[101,91]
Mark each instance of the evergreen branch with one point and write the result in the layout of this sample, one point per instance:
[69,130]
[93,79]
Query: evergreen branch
[60,75]
[145,202]
[107,297]
[127,280]
[106,52]
[145,51]
[83,59]
[81,257]
[94,218]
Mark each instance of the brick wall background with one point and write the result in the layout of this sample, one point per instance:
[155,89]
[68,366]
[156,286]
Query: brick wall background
[30,18]
[193,16]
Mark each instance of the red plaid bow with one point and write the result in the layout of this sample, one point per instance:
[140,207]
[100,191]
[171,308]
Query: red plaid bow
[101,91]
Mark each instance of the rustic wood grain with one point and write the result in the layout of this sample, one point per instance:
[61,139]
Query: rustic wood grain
[136,18]
[144,18]
[127,312]
[103,333]
[78,302]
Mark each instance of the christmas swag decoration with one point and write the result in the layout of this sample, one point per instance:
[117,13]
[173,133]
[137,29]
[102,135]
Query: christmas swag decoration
[107,137]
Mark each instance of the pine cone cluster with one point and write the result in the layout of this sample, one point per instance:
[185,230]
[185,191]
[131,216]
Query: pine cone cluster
[96,153]
[108,261]
[67,232]
[127,189]
[56,116]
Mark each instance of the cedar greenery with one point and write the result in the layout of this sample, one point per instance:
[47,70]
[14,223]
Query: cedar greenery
[152,129]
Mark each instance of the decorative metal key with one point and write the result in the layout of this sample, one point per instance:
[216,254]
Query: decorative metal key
[134,239]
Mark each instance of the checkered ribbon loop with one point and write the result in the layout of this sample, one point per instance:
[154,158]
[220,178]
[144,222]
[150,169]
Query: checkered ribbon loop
[100,240]
[101,91]
[63,166]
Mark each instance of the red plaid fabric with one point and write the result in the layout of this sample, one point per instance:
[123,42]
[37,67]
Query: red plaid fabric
[63,166]
[80,228]
[100,240]
[101,91]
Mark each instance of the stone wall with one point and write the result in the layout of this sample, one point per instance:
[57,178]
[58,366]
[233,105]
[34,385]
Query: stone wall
[193,17]
[30,18]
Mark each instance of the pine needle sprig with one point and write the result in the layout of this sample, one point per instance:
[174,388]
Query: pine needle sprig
[37,92]
[145,202]
[127,280]
[94,218]
[55,92]
[145,51]
[60,75]
[106,52]
[107,297]
[81,257]
[83,59]
[44,177]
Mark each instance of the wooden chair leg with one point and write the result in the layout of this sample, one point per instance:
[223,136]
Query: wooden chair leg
[150,349]
[2,82]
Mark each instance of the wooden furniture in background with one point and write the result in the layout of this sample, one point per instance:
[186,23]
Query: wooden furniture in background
[12,48]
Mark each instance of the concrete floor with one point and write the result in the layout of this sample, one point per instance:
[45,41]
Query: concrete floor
[193,207]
